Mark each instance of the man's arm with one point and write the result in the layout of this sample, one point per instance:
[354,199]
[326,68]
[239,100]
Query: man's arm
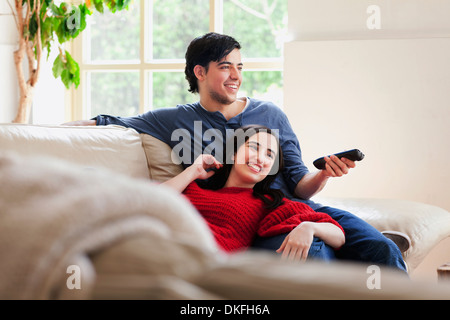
[314,182]
[158,123]
[81,123]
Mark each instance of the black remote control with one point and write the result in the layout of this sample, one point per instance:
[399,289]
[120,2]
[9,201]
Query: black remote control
[354,155]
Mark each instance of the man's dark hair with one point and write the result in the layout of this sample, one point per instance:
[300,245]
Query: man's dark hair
[202,50]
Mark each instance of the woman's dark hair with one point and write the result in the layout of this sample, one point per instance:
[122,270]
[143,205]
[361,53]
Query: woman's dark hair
[262,189]
[202,50]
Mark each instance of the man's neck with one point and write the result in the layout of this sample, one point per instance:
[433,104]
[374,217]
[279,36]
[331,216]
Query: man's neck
[229,111]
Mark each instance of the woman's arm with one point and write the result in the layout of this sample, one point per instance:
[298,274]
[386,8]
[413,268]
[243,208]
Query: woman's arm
[196,171]
[297,243]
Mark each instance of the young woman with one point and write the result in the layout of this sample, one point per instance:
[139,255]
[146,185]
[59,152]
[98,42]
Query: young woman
[237,202]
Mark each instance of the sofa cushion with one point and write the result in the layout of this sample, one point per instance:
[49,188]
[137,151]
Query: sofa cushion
[159,161]
[112,147]
[425,224]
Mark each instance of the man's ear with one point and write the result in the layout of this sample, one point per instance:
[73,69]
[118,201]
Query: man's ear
[199,72]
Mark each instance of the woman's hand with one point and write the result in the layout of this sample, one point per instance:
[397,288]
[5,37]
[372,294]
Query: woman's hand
[202,164]
[196,171]
[297,243]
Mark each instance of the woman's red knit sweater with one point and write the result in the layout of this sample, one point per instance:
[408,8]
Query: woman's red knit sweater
[235,215]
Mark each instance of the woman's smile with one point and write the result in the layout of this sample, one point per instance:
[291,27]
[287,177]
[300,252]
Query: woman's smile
[255,167]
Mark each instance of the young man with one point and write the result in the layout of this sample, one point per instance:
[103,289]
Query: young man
[214,70]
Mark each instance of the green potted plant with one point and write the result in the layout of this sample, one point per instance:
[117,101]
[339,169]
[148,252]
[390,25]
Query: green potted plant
[40,23]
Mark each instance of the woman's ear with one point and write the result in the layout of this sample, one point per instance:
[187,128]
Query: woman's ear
[199,72]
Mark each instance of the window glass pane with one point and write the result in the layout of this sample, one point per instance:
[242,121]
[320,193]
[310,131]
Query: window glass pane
[259,25]
[264,85]
[114,93]
[170,89]
[115,36]
[175,24]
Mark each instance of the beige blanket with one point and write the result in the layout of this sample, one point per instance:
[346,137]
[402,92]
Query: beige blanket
[53,217]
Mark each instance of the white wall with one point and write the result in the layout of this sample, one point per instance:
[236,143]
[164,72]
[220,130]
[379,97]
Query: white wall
[385,91]
[48,102]
[8,82]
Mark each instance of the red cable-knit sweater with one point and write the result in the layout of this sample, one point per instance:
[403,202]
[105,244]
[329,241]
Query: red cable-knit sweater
[235,215]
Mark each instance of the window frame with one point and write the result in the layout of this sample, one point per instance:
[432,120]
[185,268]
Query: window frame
[78,98]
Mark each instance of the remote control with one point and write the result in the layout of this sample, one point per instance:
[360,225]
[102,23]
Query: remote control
[354,155]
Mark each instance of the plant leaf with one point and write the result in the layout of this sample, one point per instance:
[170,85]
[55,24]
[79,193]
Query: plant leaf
[68,69]
[58,66]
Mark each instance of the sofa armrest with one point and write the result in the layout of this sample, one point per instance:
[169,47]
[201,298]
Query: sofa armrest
[425,224]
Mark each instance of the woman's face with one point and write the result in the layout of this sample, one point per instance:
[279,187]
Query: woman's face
[253,160]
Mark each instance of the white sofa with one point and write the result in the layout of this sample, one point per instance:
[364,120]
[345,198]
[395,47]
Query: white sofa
[88,198]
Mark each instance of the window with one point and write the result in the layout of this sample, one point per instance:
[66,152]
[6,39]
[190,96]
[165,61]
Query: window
[133,61]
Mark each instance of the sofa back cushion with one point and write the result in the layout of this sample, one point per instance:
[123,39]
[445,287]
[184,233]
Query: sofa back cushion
[160,164]
[112,147]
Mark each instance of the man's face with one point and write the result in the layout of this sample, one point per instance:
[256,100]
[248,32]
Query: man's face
[223,79]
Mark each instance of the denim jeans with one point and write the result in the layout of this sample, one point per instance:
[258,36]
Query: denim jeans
[363,243]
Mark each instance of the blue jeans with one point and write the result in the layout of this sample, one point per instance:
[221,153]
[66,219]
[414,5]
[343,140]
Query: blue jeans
[363,243]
